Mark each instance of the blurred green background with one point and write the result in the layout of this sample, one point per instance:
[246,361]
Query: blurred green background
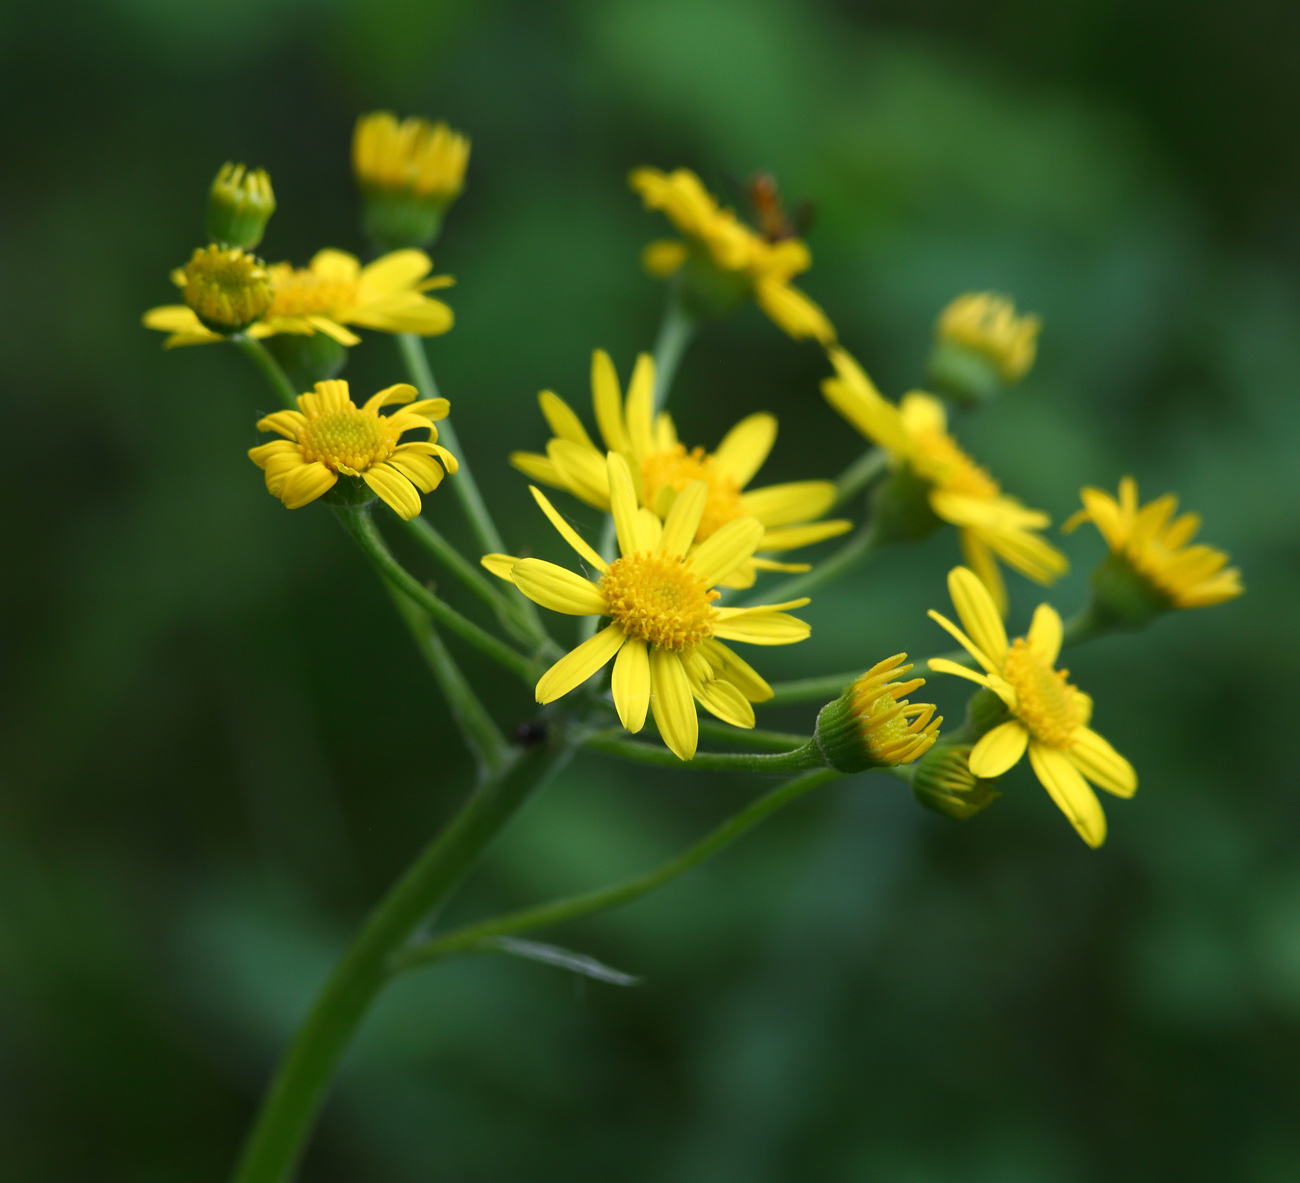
[219,748]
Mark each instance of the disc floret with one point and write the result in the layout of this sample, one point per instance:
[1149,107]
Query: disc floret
[659,601]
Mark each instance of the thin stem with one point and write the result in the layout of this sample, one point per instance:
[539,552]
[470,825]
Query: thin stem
[770,741]
[613,743]
[864,540]
[860,474]
[675,333]
[470,937]
[261,357]
[277,1140]
[481,734]
[358,523]
[1084,625]
[821,689]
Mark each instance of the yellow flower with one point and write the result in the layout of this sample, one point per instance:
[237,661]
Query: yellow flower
[1159,549]
[335,290]
[225,290]
[1050,716]
[329,435]
[718,237]
[872,725]
[992,525]
[664,636]
[414,156]
[987,324]
[662,467]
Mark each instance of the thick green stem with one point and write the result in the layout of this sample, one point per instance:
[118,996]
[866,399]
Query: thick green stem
[356,520]
[865,540]
[300,1085]
[860,474]
[465,939]
[258,354]
[769,741]
[675,333]
[613,743]
[481,733]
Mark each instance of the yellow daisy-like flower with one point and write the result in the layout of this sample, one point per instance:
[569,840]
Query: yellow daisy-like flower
[1157,546]
[872,725]
[414,156]
[662,467]
[991,524]
[329,435]
[1050,716]
[333,291]
[719,237]
[665,635]
[987,324]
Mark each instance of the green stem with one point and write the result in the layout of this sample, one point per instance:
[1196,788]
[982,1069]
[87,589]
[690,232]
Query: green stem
[470,937]
[1084,625]
[277,1140]
[675,333]
[260,356]
[481,733]
[771,741]
[357,522]
[864,540]
[821,689]
[613,743]
[860,474]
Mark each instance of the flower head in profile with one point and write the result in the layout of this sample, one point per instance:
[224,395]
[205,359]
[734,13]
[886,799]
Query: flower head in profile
[1156,548]
[662,467]
[726,258]
[665,635]
[329,436]
[333,291]
[986,323]
[1049,716]
[991,524]
[872,725]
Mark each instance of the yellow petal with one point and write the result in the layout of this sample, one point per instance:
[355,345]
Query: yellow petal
[793,311]
[608,402]
[999,749]
[423,472]
[429,408]
[287,423]
[673,706]
[334,264]
[563,421]
[305,483]
[395,271]
[1102,764]
[763,628]
[393,489]
[855,397]
[664,256]
[582,471]
[724,701]
[575,668]
[622,504]
[1070,791]
[649,527]
[502,566]
[683,519]
[402,392]
[725,549]
[980,560]
[963,640]
[1044,634]
[736,670]
[941,665]
[260,455]
[322,324]
[978,613]
[537,468]
[425,318]
[631,684]
[742,453]
[567,532]
[798,501]
[557,589]
[782,538]
[641,406]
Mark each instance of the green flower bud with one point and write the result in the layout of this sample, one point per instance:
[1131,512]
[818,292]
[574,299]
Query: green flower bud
[240,204]
[942,781]
[227,289]
[871,725]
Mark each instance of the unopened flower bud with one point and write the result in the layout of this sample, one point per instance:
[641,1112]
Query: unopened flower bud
[240,204]
[943,781]
[227,289]
[981,345]
[408,173]
[872,725]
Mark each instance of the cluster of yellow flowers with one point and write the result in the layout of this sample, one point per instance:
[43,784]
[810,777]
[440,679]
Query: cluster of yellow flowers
[689,529]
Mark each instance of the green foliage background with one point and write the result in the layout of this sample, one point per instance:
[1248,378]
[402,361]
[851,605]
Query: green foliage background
[218,747]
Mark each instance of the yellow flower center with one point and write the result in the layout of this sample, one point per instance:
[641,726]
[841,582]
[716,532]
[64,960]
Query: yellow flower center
[944,463]
[659,601]
[347,440]
[1047,703]
[304,293]
[881,735]
[676,468]
[226,288]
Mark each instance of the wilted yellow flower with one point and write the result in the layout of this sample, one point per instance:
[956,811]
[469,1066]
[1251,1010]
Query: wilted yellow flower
[991,524]
[414,156]
[662,467]
[1157,549]
[987,324]
[716,236]
[329,436]
[665,635]
[1050,716]
[333,291]
[872,725]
